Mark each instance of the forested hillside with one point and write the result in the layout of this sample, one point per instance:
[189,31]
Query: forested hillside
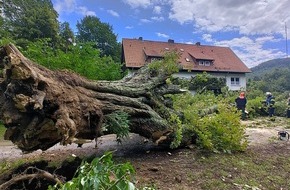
[269,66]
[273,76]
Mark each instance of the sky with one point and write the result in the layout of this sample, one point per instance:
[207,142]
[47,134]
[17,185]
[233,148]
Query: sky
[256,30]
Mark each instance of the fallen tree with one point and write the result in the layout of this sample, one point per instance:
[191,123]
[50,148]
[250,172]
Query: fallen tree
[41,108]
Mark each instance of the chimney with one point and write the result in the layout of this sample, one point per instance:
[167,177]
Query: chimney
[170,41]
[140,38]
[197,43]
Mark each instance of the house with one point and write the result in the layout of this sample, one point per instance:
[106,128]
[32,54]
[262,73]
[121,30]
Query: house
[196,58]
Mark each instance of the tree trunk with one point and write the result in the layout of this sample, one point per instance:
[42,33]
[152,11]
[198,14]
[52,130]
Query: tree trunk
[40,107]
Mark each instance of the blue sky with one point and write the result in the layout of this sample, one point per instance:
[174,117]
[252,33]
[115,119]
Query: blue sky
[253,29]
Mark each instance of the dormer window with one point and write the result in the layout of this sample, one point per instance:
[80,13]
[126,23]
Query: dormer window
[153,59]
[187,59]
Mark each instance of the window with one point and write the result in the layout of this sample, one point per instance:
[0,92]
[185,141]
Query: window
[155,59]
[207,63]
[235,81]
[204,62]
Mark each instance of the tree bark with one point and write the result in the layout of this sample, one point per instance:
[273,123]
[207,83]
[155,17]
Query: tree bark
[41,108]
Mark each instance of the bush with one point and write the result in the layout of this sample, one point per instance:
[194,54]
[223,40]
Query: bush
[101,174]
[280,109]
[255,107]
[83,59]
[212,121]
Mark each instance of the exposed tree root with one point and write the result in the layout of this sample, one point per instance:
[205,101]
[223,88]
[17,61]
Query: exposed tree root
[31,173]
[40,107]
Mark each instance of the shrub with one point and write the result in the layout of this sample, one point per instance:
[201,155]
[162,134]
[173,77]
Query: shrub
[280,109]
[83,59]
[212,121]
[101,174]
[255,107]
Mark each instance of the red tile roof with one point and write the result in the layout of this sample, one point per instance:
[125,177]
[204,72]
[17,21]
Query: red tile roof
[135,52]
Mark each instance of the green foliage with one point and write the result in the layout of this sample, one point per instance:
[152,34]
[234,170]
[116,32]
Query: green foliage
[5,41]
[206,81]
[201,82]
[117,123]
[271,76]
[91,29]
[66,36]
[101,174]
[176,122]
[216,131]
[82,58]
[2,131]
[280,109]
[30,19]
[166,66]
[273,79]
[254,107]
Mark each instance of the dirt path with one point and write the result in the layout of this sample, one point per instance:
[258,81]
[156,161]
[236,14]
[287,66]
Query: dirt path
[259,132]
[134,143]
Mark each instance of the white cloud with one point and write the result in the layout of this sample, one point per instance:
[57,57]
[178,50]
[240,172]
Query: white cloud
[138,3]
[70,6]
[144,20]
[247,16]
[162,35]
[251,51]
[84,11]
[159,19]
[129,27]
[147,4]
[207,37]
[65,5]
[157,10]
[113,13]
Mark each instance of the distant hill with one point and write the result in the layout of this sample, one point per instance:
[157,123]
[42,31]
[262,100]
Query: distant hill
[269,66]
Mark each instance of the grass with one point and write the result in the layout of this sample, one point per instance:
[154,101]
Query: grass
[257,168]
[6,165]
[246,170]
[2,131]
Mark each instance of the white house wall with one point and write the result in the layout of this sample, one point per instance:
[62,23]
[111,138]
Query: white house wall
[228,76]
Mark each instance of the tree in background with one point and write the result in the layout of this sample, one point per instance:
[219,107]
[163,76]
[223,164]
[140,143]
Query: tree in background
[66,35]
[91,29]
[30,19]
[83,59]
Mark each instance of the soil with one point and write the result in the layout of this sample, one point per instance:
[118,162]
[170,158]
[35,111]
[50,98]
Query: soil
[155,166]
